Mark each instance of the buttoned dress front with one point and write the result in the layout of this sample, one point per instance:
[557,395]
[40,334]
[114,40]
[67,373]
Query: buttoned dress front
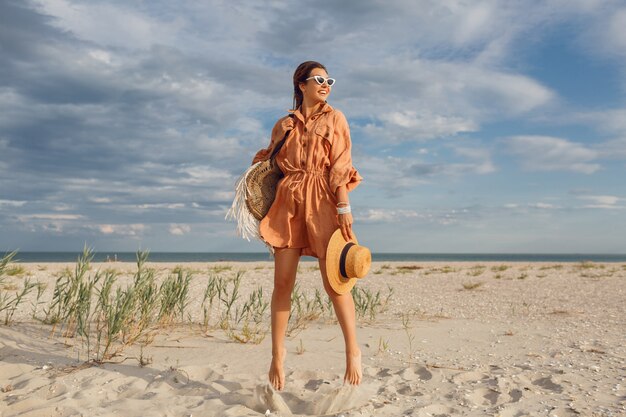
[316,159]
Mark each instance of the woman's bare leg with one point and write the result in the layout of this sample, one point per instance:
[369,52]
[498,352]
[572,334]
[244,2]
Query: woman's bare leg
[285,268]
[346,315]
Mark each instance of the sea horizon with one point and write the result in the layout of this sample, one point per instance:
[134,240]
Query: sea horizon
[125,256]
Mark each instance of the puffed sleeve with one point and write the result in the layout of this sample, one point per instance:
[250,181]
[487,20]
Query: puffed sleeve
[341,170]
[264,154]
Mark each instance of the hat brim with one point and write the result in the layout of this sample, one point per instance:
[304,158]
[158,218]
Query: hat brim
[338,283]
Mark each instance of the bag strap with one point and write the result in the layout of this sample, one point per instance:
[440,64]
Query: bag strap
[281,143]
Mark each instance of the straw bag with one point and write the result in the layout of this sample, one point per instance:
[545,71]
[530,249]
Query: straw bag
[255,192]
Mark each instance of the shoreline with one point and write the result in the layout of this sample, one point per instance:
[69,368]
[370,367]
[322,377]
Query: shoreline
[52,257]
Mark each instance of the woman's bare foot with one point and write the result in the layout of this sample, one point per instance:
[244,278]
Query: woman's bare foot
[354,374]
[277,374]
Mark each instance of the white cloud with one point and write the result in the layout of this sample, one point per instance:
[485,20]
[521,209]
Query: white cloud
[132,230]
[204,175]
[602,199]
[100,200]
[393,174]
[477,22]
[609,120]
[604,207]
[418,99]
[12,203]
[481,160]
[386,215]
[617,30]
[108,24]
[411,125]
[543,206]
[532,207]
[406,217]
[49,216]
[101,55]
[63,207]
[546,153]
[48,222]
[168,206]
[179,229]
[603,202]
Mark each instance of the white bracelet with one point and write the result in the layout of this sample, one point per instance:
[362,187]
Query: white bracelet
[344,210]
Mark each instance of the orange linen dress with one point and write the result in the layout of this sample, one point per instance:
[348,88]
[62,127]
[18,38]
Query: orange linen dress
[316,160]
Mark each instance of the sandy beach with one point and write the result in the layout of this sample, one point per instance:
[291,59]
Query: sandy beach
[441,339]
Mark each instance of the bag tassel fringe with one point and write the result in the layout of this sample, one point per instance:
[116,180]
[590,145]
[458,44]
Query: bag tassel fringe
[247,224]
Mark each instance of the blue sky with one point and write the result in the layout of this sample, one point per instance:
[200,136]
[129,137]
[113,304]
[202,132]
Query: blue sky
[478,126]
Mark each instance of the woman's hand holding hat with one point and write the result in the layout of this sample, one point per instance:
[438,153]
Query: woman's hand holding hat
[346,262]
[345,224]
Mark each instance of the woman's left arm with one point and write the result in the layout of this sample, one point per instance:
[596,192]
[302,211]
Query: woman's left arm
[343,176]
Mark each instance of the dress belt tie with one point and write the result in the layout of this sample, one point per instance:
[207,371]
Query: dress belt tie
[296,182]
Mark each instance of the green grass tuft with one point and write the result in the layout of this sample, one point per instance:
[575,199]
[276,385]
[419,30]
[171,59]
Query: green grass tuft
[472,285]
[500,268]
[16,271]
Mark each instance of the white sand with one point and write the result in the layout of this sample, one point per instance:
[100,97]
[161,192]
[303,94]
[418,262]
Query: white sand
[530,342]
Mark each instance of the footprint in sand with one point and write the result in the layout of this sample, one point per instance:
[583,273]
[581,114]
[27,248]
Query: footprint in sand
[471,376]
[312,393]
[314,384]
[268,399]
[515,395]
[424,374]
[549,384]
[131,389]
[484,396]
[431,410]
[55,390]
[409,391]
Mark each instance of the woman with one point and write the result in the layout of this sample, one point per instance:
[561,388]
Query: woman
[317,164]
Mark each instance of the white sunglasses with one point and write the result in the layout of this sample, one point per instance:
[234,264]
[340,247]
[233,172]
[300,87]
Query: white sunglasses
[321,80]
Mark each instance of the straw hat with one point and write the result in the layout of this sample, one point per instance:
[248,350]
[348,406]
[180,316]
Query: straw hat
[346,262]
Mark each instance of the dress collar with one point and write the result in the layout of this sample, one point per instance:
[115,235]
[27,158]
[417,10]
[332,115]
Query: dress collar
[298,113]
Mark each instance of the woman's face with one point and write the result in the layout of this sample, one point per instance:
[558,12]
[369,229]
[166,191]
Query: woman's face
[312,91]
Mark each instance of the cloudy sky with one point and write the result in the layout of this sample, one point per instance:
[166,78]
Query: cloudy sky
[479,126]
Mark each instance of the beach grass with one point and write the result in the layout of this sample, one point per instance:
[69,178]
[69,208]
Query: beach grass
[216,269]
[446,269]
[383,345]
[300,349]
[555,266]
[305,309]
[106,310]
[476,270]
[406,325]
[369,304]
[410,267]
[472,285]
[9,302]
[15,271]
[5,262]
[500,268]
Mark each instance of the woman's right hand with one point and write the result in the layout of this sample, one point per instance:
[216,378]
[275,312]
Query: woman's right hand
[286,125]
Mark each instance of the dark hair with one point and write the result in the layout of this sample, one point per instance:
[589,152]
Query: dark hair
[299,76]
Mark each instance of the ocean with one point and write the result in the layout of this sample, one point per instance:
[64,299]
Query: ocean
[376,257]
